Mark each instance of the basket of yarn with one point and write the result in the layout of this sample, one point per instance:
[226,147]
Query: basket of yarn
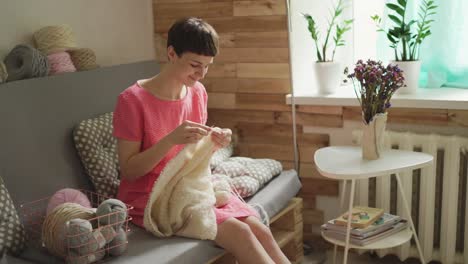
[70,228]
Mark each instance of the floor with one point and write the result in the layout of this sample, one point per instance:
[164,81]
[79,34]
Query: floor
[312,256]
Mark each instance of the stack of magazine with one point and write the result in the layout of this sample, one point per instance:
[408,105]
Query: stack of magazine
[368,225]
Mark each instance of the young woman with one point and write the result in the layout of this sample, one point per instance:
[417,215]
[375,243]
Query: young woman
[153,120]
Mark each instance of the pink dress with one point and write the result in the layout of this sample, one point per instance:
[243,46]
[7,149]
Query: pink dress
[141,116]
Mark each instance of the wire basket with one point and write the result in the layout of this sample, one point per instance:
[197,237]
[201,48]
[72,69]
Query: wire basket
[33,214]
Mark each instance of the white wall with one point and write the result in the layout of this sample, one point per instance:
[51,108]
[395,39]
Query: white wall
[119,31]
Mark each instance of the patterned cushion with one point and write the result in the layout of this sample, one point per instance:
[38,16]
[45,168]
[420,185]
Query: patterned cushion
[97,149]
[231,168]
[248,175]
[12,235]
[220,155]
[245,185]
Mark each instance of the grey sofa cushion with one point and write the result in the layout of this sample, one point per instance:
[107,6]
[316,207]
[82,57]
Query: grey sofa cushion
[97,149]
[12,235]
[145,248]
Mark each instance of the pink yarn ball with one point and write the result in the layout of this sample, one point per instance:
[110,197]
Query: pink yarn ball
[67,195]
[60,62]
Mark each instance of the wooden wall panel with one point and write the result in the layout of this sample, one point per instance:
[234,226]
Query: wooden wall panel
[458,117]
[176,10]
[222,70]
[269,39]
[256,8]
[267,55]
[247,85]
[263,70]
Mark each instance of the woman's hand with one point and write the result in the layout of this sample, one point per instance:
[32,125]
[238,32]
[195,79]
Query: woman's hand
[221,137]
[188,132]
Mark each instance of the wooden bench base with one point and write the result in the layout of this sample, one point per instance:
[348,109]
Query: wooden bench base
[287,228]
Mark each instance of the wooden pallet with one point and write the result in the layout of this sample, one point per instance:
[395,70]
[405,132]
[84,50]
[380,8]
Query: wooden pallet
[287,228]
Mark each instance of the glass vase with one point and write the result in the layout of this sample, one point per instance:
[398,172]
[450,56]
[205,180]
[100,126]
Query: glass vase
[372,142]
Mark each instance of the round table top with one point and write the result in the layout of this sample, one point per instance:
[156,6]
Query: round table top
[346,162]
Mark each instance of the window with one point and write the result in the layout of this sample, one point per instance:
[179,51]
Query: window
[442,53]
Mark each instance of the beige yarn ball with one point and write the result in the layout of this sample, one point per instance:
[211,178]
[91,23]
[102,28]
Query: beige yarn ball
[53,234]
[54,39]
[3,72]
[84,59]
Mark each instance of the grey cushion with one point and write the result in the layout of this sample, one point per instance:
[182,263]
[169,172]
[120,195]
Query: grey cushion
[97,149]
[221,155]
[145,248]
[247,175]
[12,235]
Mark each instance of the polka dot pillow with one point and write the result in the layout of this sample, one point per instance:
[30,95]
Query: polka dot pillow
[231,168]
[245,185]
[97,148]
[221,155]
[12,234]
[248,175]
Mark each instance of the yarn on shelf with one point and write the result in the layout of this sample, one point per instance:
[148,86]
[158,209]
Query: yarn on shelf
[60,62]
[52,39]
[84,59]
[24,62]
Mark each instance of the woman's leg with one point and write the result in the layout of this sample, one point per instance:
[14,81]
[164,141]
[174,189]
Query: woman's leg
[264,235]
[237,238]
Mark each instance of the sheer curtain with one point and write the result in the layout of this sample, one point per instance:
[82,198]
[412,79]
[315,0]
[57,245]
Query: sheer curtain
[444,54]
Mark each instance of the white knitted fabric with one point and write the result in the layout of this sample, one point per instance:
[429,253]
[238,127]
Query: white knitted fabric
[182,199]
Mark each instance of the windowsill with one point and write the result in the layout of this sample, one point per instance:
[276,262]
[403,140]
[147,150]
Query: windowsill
[435,98]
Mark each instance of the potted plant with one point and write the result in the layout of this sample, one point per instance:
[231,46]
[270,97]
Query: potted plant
[327,70]
[406,37]
[374,86]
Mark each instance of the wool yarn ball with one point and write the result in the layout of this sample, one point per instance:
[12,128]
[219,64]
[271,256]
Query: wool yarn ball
[120,243]
[82,239]
[109,233]
[67,195]
[112,212]
[96,242]
[75,258]
[78,232]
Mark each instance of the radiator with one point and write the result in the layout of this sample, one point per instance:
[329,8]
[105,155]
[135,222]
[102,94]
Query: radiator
[437,194]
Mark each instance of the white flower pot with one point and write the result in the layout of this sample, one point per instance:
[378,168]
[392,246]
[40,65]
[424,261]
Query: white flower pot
[411,70]
[328,76]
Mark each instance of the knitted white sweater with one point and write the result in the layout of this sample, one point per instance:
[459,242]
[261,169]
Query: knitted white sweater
[181,202]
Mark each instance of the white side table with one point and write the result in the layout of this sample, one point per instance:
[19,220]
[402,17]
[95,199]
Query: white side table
[346,163]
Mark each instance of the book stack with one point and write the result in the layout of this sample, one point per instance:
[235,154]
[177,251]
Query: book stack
[368,225]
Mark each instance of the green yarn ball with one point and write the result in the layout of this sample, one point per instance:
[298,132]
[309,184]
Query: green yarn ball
[120,243]
[82,239]
[112,212]
[78,232]
[109,233]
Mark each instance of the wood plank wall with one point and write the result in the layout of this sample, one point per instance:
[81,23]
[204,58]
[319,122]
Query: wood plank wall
[249,80]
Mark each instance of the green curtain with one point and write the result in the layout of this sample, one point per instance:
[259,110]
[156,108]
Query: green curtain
[444,54]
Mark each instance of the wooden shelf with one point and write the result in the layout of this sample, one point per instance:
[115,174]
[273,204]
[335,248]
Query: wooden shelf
[392,241]
[282,237]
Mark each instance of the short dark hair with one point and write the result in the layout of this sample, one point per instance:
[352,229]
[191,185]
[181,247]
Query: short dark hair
[193,35]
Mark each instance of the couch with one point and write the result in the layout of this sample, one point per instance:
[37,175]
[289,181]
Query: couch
[38,157]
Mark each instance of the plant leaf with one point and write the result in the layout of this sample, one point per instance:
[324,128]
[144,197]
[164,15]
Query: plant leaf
[397,9]
[395,19]
[402,2]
